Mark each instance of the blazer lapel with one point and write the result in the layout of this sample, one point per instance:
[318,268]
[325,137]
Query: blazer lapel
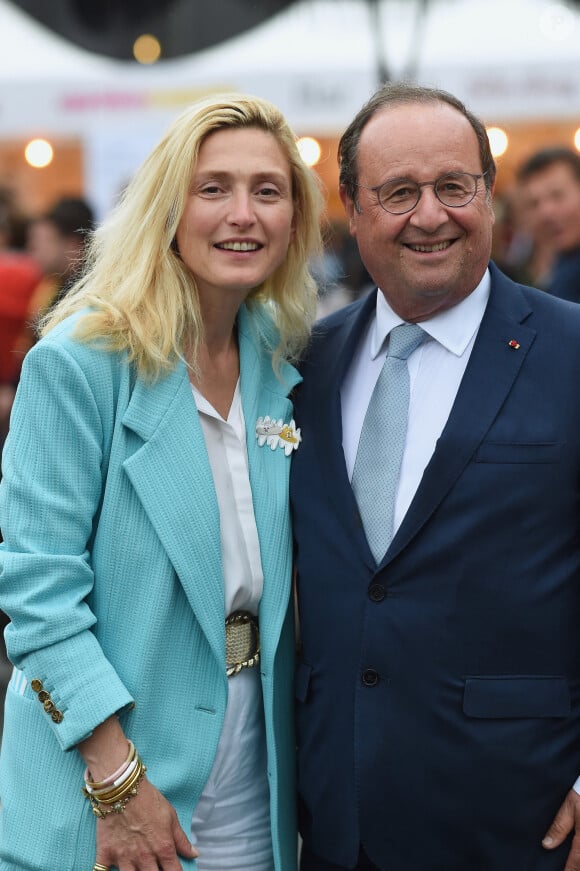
[264,394]
[171,475]
[490,374]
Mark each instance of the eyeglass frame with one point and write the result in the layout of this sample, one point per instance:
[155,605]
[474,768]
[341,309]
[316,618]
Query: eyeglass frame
[420,184]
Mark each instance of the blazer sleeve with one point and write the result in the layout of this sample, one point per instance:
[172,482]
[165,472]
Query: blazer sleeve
[53,474]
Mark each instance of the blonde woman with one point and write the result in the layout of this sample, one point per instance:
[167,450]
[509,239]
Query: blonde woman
[144,507]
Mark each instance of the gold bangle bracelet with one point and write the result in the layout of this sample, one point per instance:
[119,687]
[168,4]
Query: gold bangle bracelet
[111,790]
[102,784]
[119,806]
[111,798]
[112,795]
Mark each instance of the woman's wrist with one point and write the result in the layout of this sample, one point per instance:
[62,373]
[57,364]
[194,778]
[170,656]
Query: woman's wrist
[106,750]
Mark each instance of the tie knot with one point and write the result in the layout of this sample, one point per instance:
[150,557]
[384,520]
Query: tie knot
[404,339]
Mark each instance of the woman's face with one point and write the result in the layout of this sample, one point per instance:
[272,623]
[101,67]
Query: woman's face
[238,219]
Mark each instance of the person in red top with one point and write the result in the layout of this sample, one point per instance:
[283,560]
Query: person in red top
[19,277]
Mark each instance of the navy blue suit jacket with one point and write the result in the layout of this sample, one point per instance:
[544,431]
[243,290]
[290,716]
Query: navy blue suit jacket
[439,694]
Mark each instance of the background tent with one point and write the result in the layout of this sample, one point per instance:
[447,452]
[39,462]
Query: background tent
[317,60]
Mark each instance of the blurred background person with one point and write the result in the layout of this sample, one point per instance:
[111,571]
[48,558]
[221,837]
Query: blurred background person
[19,278]
[339,271]
[550,189]
[56,241]
[13,222]
[524,255]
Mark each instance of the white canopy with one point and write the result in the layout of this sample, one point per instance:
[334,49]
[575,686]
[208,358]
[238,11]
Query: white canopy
[317,60]
[507,59]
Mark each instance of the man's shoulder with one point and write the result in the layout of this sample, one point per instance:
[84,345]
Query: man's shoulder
[342,320]
[540,303]
[548,305]
[331,336]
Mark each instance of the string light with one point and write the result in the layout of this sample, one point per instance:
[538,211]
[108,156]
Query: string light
[498,140]
[146,49]
[309,149]
[39,153]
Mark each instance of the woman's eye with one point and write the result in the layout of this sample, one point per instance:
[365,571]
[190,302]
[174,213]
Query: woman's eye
[268,192]
[211,189]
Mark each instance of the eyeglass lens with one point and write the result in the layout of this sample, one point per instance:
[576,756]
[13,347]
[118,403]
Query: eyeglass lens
[452,189]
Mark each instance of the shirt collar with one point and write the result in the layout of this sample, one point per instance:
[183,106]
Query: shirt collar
[453,328]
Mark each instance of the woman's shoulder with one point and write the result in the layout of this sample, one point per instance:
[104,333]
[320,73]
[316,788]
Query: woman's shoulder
[63,343]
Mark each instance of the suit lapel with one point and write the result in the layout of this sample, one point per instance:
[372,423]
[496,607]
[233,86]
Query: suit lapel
[171,475]
[326,424]
[489,377]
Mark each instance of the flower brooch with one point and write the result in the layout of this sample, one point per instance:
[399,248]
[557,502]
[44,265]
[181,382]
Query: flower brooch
[276,433]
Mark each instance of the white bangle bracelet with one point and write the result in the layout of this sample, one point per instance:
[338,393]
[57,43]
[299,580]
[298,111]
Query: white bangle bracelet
[120,780]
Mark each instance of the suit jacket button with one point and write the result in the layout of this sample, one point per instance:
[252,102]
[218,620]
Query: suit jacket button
[48,706]
[43,696]
[377,592]
[57,716]
[370,677]
[36,685]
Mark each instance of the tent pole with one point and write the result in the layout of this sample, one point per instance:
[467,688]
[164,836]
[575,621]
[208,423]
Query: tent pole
[376,30]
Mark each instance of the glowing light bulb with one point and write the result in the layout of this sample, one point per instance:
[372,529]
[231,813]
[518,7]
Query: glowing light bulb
[146,49]
[309,149]
[39,153]
[498,140]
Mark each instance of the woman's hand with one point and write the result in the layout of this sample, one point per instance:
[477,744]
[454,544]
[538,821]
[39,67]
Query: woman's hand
[146,837]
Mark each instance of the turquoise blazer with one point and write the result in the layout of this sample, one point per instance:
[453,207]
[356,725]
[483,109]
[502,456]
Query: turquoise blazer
[111,574]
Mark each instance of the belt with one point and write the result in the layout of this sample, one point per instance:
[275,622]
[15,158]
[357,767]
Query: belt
[242,642]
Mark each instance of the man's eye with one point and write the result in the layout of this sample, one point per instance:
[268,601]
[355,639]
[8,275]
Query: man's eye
[402,192]
[398,194]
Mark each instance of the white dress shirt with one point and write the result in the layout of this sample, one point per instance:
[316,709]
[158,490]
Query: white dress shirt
[436,368]
[231,822]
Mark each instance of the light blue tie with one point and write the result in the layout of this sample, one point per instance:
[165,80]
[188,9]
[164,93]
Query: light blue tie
[380,451]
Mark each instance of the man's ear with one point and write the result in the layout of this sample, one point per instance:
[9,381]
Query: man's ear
[350,209]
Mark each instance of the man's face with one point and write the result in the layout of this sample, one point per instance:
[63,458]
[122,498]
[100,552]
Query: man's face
[57,255]
[551,200]
[432,257]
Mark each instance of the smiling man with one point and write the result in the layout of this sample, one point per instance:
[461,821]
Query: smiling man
[550,182]
[437,518]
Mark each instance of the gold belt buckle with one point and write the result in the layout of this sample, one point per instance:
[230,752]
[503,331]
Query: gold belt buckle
[242,642]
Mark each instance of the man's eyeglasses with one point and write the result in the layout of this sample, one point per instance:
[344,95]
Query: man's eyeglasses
[400,195]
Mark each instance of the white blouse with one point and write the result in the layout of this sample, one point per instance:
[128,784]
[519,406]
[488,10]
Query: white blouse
[228,457]
[231,822]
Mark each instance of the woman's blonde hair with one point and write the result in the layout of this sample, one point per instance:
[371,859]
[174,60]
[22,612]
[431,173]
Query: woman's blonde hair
[140,296]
